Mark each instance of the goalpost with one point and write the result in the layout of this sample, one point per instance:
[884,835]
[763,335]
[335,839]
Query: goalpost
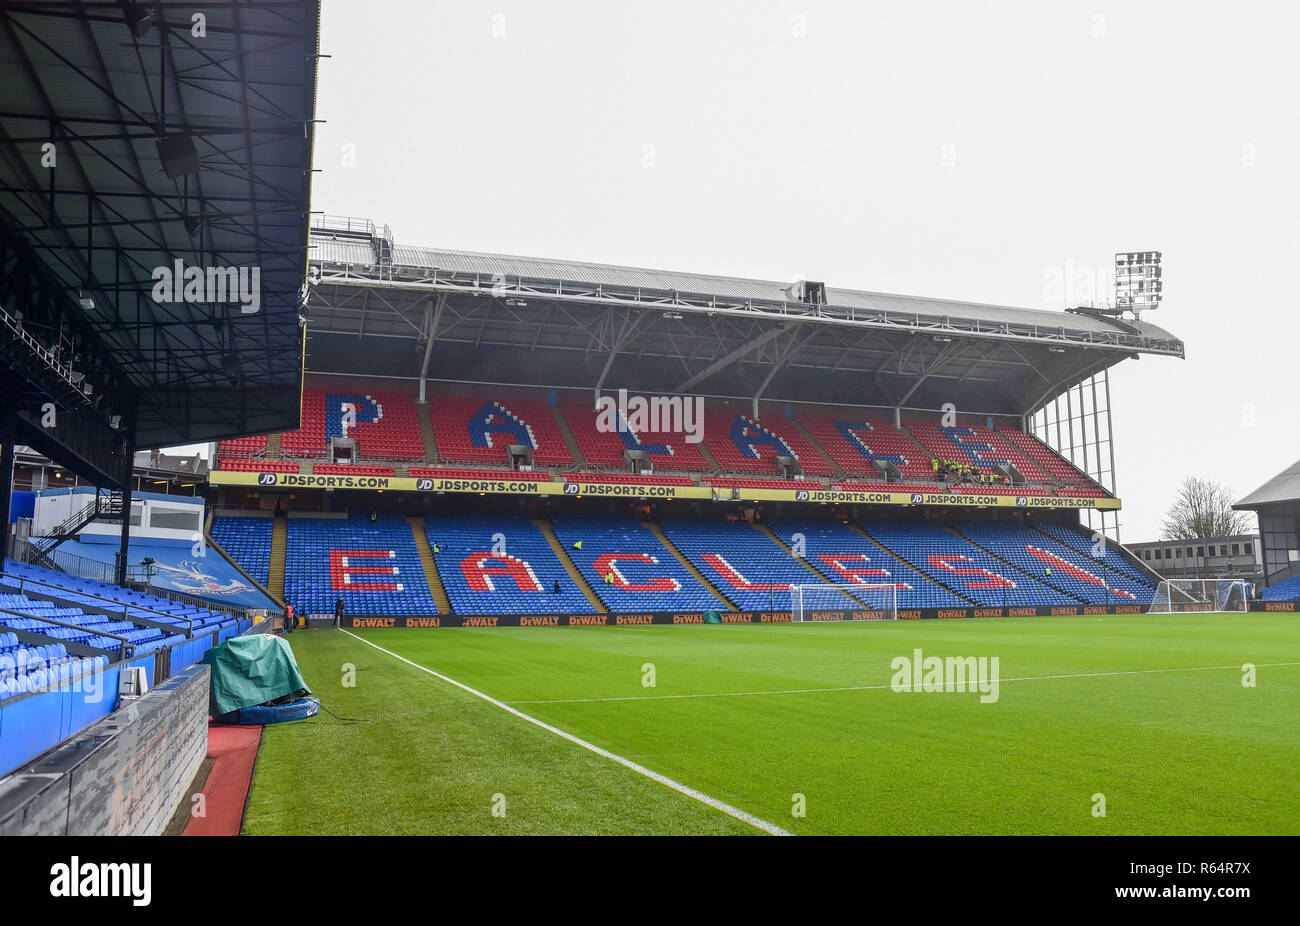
[826,602]
[1173,596]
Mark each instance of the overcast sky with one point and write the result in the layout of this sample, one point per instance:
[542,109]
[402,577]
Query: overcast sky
[951,149]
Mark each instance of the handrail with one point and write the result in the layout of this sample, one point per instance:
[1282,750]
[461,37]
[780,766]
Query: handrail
[113,601]
[125,643]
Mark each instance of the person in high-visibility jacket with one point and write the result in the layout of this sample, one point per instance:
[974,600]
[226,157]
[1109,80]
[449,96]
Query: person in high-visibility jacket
[577,545]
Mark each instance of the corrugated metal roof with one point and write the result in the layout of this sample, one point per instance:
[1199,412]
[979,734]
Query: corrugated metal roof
[734,288]
[341,250]
[1284,487]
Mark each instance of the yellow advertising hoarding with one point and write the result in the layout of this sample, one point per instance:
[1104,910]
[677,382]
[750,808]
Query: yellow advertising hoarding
[508,486]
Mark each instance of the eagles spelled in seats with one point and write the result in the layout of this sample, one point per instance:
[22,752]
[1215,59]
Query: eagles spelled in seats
[347,565]
[646,576]
[959,443]
[479,429]
[500,564]
[845,557]
[667,450]
[744,444]
[1070,572]
[744,563]
[373,566]
[854,443]
[384,424]
[1086,544]
[1045,456]
[961,566]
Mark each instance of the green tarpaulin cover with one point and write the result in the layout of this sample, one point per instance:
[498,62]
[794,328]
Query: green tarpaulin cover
[257,668]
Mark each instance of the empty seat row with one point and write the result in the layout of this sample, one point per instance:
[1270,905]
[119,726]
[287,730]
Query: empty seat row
[500,564]
[629,569]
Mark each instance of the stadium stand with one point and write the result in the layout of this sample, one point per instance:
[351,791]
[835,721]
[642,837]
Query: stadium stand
[845,557]
[1026,490]
[385,425]
[374,566]
[603,449]
[242,448]
[958,443]
[646,576]
[480,428]
[309,440]
[26,668]
[854,443]
[1082,492]
[495,474]
[924,487]
[1045,456]
[500,564]
[71,591]
[248,541]
[1083,543]
[350,469]
[743,563]
[628,479]
[770,482]
[742,444]
[259,466]
[961,566]
[1286,590]
[1054,564]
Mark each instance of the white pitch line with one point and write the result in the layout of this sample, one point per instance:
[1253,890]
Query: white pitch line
[784,691]
[741,815]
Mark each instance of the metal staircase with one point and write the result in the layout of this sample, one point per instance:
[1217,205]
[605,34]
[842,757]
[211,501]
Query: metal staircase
[107,506]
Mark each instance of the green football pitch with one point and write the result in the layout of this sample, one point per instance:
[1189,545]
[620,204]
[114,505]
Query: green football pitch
[1101,725]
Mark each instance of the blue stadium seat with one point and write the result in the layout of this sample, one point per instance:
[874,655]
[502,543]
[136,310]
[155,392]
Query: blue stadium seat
[647,576]
[845,557]
[961,566]
[744,563]
[1054,564]
[374,566]
[500,564]
[248,541]
[1286,590]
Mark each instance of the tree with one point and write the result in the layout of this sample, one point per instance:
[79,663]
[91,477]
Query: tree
[1203,509]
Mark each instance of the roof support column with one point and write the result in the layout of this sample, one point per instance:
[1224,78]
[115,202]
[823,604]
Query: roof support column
[8,435]
[124,546]
[431,318]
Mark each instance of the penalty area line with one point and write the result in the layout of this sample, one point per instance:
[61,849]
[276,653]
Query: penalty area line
[713,802]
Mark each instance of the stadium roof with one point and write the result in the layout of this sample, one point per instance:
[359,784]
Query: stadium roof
[88,185]
[678,332]
[1281,489]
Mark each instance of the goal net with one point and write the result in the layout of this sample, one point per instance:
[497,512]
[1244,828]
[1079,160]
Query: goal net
[825,602]
[1177,595]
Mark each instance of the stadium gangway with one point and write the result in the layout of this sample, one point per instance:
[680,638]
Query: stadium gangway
[125,606]
[126,649]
